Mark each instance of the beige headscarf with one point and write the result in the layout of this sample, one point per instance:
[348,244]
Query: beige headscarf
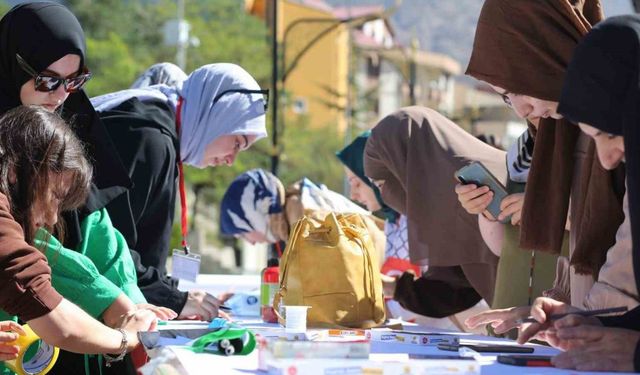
[524,47]
[416,151]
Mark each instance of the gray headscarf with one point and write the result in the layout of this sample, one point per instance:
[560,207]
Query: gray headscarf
[164,73]
[203,122]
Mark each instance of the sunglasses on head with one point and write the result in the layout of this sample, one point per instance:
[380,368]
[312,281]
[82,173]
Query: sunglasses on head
[265,93]
[48,83]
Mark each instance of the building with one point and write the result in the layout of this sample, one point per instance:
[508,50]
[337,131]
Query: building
[314,50]
[344,67]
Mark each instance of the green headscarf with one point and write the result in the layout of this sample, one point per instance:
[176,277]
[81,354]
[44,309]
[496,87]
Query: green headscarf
[352,157]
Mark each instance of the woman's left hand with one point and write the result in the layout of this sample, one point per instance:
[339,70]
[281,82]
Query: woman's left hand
[163,313]
[598,348]
[388,285]
[511,205]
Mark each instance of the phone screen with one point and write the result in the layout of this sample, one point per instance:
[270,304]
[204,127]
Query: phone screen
[477,174]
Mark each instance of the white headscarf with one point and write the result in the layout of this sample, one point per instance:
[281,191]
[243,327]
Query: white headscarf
[202,122]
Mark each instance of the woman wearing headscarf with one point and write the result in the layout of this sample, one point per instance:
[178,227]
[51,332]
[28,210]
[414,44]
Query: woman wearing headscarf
[164,73]
[43,45]
[217,112]
[396,256]
[601,93]
[525,59]
[258,208]
[42,63]
[412,156]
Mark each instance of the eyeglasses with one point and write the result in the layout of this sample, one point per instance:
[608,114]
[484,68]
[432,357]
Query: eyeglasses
[505,98]
[48,83]
[265,93]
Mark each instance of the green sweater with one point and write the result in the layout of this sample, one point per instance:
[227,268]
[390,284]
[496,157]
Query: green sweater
[97,272]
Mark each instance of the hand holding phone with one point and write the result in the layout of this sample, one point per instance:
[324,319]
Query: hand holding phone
[477,174]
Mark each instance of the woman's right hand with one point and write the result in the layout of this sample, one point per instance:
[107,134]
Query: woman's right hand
[135,321]
[9,331]
[502,320]
[475,200]
[542,308]
[202,305]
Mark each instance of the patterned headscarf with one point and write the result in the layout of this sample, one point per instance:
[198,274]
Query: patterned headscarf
[249,202]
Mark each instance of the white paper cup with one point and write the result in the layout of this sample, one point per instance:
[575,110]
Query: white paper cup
[296,318]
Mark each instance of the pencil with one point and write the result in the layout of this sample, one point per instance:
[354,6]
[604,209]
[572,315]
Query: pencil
[581,313]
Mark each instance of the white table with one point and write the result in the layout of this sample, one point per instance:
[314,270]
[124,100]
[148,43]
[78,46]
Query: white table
[187,362]
[216,284]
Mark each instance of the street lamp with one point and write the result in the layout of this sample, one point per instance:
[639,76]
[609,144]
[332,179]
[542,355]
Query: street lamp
[331,25]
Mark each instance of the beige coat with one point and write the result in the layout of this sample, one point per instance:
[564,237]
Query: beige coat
[616,280]
[616,284]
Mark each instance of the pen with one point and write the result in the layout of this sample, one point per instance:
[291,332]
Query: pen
[224,308]
[581,313]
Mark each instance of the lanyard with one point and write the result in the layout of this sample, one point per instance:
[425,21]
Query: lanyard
[183,195]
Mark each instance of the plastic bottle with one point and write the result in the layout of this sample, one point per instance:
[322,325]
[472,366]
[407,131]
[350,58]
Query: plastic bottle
[270,282]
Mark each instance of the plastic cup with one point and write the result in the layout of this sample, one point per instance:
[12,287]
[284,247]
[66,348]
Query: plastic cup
[296,318]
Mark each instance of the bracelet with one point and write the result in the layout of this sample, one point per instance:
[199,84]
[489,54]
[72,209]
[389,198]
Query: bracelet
[123,349]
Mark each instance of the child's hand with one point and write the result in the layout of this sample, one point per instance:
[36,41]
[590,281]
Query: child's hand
[9,332]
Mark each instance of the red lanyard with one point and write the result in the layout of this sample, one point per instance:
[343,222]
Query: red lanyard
[183,195]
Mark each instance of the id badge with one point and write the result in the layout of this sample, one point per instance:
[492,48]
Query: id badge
[185,266]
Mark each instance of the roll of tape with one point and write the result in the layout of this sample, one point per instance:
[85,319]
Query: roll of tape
[35,356]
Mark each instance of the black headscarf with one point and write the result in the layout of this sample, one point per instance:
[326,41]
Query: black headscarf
[602,89]
[42,33]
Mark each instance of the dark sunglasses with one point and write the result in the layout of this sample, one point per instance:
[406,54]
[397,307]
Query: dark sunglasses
[48,83]
[265,93]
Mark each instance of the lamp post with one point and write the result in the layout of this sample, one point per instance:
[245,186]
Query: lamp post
[275,156]
[286,69]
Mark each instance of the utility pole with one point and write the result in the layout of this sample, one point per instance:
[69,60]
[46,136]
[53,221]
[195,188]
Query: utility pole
[412,70]
[275,158]
[636,5]
[183,37]
[348,108]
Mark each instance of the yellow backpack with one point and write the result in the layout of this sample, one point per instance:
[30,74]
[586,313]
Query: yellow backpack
[331,265]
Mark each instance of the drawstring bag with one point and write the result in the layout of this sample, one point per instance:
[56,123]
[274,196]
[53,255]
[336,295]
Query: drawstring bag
[331,265]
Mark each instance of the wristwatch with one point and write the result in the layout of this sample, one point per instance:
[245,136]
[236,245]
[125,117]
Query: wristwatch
[123,349]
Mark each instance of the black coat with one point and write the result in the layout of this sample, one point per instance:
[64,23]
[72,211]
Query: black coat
[145,138]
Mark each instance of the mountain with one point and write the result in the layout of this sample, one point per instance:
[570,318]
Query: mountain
[447,26]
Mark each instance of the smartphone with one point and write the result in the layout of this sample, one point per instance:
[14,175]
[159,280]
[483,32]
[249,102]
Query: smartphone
[526,360]
[477,174]
[488,348]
